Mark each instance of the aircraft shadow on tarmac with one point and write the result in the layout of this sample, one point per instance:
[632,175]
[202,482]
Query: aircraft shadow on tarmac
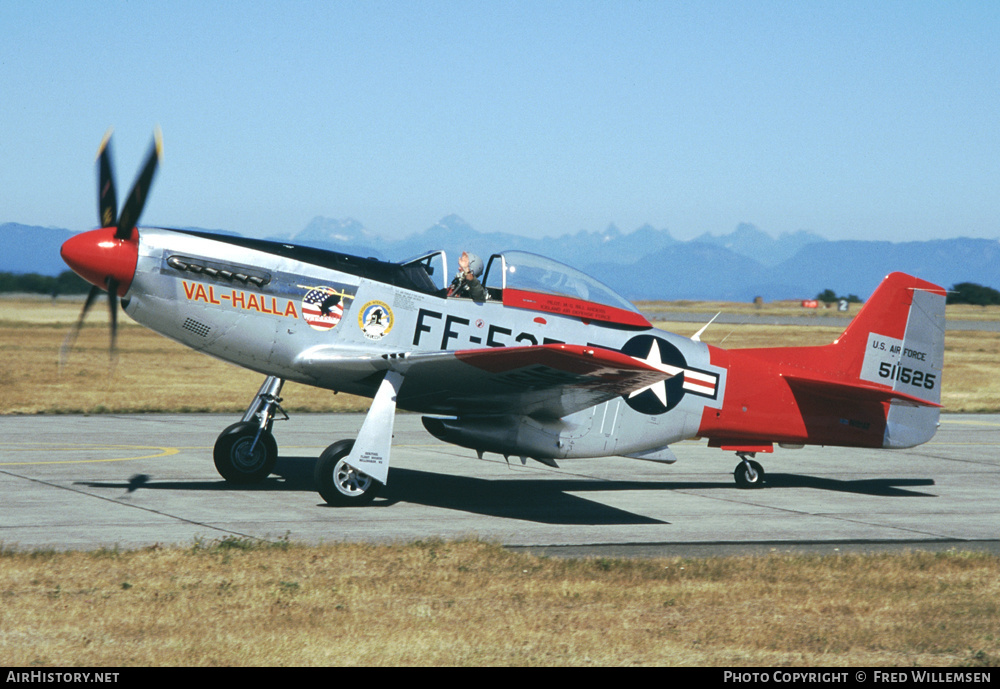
[876,487]
[547,500]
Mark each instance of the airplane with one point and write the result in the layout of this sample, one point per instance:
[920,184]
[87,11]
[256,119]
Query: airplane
[550,364]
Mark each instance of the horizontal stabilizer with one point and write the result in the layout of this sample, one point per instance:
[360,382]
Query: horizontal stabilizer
[855,392]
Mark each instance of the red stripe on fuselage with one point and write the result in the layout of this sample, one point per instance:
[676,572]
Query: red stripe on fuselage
[569,306]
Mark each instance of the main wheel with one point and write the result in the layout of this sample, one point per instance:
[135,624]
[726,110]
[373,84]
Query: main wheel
[341,484]
[234,459]
[749,478]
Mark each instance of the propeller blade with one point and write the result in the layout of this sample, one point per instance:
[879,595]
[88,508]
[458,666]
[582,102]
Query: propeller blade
[107,200]
[113,306]
[137,197]
[124,223]
[67,344]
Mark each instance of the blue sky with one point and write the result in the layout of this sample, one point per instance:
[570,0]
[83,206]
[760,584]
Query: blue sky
[850,119]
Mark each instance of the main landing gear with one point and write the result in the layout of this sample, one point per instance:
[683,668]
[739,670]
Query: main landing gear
[340,484]
[246,452]
[339,480]
[748,473]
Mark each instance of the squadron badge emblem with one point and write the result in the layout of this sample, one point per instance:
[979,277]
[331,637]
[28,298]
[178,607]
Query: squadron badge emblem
[375,320]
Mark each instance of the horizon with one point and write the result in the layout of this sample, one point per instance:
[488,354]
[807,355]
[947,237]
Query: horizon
[623,232]
[844,119]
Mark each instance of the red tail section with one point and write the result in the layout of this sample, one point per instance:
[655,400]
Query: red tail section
[877,385]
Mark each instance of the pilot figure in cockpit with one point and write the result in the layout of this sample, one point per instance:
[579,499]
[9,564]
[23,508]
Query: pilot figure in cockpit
[466,283]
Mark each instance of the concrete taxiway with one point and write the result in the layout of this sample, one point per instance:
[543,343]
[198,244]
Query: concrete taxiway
[81,482]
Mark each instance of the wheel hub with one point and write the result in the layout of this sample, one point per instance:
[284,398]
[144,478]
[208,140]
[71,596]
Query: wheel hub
[350,481]
[244,458]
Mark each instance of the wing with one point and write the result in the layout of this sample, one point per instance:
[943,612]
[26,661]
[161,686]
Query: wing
[548,380]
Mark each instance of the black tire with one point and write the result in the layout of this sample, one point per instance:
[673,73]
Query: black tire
[744,478]
[340,484]
[232,454]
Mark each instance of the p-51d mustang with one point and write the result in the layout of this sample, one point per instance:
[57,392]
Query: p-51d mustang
[550,365]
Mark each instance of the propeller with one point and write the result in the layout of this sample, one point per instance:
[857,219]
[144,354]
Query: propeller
[106,257]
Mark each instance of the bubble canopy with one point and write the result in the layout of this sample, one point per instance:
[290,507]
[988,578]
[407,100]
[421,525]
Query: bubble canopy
[535,282]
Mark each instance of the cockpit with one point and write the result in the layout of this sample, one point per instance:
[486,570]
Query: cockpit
[524,280]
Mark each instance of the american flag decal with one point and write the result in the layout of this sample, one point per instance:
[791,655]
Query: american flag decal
[323,307]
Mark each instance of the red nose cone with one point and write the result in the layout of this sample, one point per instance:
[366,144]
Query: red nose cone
[98,255]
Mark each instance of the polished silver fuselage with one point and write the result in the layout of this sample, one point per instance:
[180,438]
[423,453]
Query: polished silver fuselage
[246,303]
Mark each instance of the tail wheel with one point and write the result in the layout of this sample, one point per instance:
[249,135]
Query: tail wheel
[239,459]
[341,484]
[749,474]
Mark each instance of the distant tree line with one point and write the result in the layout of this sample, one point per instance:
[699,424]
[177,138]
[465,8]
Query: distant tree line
[971,293]
[962,293]
[828,296]
[66,282]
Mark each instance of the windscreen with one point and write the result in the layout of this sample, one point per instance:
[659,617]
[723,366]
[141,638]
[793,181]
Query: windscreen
[533,273]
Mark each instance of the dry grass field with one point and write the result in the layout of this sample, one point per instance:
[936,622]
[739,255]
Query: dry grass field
[470,603]
[154,374]
[151,373]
